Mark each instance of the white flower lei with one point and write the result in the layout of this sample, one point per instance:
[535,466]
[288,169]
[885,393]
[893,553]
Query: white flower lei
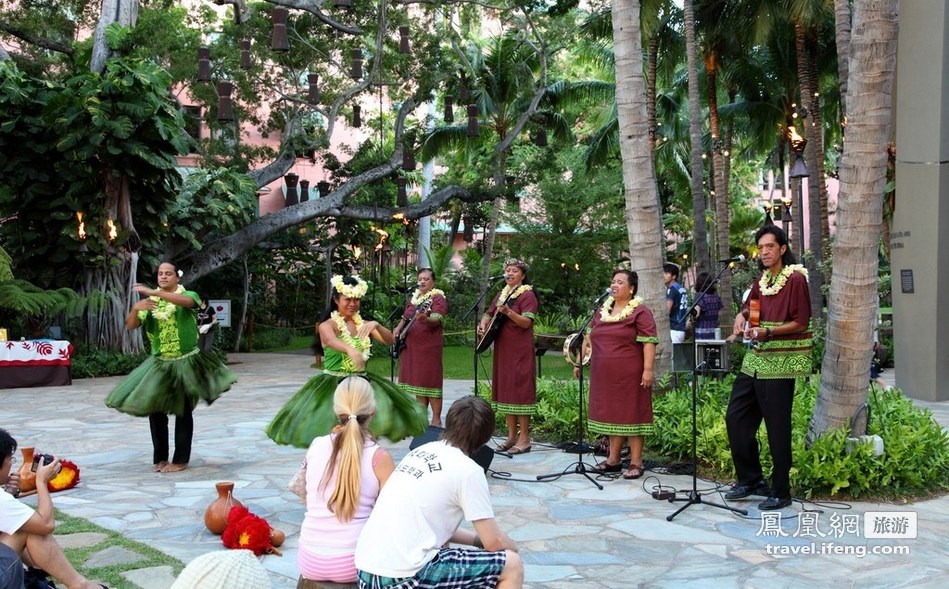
[418,298]
[356,291]
[626,312]
[780,280]
[360,343]
[165,310]
[507,295]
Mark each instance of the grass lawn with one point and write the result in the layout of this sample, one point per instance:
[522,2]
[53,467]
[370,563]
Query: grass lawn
[111,575]
[457,362]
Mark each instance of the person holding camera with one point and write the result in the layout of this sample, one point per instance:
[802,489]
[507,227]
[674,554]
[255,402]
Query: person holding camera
[26,535]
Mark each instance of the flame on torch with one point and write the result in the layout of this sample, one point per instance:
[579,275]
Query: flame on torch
[82,225]
[113,231]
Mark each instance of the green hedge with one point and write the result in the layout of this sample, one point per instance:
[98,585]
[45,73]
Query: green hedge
[915,460]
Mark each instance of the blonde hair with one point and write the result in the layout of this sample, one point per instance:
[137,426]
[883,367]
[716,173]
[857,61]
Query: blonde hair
[354,405]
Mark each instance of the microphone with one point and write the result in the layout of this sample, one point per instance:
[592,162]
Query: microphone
[498,277]
[605,294]
[739,259]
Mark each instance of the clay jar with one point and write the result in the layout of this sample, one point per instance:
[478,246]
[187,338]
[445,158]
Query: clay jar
[215,516]
[27,476]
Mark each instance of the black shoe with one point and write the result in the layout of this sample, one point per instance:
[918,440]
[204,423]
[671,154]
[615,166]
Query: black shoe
[772,503]
[741,491]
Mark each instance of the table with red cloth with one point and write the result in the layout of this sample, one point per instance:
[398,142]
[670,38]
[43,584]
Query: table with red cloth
[34,363]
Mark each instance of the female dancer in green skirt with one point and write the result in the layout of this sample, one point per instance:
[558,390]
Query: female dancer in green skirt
[345,338]
[177,375]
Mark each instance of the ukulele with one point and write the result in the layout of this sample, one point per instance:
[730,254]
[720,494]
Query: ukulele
[399,346]
[754,312]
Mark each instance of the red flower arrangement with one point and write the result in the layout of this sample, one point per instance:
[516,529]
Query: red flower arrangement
[247,531]
[67,478]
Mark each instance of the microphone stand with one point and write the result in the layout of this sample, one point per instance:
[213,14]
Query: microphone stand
[579,467]
[694,497]
[391,318]
[474,347]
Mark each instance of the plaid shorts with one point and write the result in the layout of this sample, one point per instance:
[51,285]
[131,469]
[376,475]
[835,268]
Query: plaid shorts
[452,568]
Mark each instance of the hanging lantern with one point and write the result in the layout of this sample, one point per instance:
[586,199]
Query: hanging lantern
[468,231]
[473,120]
[304,190]
[404,41]
[401,199]
[463,90]
[225,110]
[540,137]
[355,68]
[449,113]
[245,55]
[323,187]
[204,64]
[278,39]
[342,3]
[313,94]
[408,157]
[357,120]
[291,179]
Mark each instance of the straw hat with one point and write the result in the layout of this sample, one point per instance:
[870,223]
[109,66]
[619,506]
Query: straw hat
[225,569]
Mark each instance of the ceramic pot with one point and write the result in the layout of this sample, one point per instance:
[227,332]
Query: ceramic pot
[215,516]
[27,476]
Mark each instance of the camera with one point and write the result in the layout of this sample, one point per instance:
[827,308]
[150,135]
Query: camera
[46,458]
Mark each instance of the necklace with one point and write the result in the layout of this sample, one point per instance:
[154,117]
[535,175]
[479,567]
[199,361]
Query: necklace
[508,295]
[771,285]
[418,297]
[363,344]
[165,309]
[626,312]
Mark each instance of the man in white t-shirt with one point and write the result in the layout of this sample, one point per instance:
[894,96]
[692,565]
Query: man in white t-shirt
[421,506]
[28,533]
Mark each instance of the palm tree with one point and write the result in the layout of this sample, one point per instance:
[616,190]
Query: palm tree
[853,287]
[643,213]
[702,256]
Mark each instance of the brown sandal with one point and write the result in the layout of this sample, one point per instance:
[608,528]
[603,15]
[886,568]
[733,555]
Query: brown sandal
[634,471]
[518,450]
[506,445]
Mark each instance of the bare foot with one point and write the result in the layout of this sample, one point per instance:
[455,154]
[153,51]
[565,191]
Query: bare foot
[436,423]
[160,466]
[173,467]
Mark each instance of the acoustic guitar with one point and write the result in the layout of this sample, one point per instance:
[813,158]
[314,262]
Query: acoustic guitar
[399,346]
[491,332]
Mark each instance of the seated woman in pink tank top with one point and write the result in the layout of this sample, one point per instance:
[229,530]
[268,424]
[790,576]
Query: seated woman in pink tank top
[344,472]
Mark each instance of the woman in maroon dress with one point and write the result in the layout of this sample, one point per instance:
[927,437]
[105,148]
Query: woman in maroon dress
[420,365]
[513,386]
[623,340]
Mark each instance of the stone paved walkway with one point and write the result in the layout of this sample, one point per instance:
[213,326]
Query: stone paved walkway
[571,534]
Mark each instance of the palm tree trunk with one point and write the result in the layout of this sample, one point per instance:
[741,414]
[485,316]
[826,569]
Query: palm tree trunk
[814,158]
[819,149]
[643,213]
[700,238]
[853,289]
[652,55]
[842,27]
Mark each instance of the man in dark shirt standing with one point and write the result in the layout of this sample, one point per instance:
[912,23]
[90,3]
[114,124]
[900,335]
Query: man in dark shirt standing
[677,302]
[779,312]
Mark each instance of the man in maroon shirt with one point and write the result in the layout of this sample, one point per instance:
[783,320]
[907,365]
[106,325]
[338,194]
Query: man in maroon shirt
[780,353]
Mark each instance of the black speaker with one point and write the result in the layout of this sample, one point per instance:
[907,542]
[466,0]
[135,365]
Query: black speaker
[483,456]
